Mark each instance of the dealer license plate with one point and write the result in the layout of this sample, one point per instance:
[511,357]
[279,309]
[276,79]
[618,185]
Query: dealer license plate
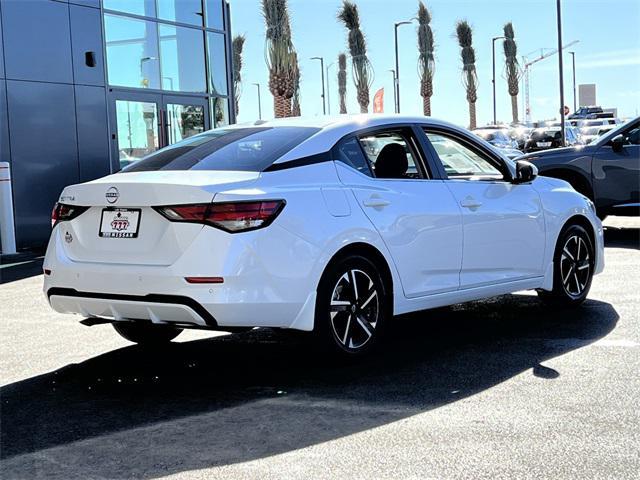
[119,223]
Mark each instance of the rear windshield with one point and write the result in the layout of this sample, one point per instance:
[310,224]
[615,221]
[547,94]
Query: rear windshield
[245,149]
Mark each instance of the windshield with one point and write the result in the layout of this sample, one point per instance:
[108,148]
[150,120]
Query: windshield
[245,149]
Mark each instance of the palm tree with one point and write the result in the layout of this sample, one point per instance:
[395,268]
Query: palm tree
[278,55]
[342,81]
[511,68]
[426,62]
[362,69]
[469,77]
[237,46]
[295,104]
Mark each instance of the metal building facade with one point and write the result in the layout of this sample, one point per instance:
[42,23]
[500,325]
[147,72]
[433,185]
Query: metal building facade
[88,86]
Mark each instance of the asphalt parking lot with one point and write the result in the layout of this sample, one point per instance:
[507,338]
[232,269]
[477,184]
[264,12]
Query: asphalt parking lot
[505,388]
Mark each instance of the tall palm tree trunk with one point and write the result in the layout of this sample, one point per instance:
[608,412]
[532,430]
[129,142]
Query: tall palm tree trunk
[342,81]
[472,115]
[426,106]
[514,108]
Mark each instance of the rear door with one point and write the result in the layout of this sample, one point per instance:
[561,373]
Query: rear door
[415,214]
[616,175]
[504,230]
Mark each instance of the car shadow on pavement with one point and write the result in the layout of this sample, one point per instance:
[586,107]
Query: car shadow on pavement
[140,413]
[617,237]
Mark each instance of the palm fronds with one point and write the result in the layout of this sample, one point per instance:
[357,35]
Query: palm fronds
[295,104]
[469,76]
[362,69]
[426,59]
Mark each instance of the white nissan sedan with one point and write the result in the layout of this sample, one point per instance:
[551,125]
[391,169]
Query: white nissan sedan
[331,225]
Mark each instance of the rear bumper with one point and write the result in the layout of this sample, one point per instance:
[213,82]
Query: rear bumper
[270,277]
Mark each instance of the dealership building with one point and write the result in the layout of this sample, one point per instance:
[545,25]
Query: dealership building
[89,86]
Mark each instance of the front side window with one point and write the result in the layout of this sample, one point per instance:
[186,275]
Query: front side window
[460,161]
[251,149]
[390,155]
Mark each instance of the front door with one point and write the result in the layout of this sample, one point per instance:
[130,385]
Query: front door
[145,122]
[616,175]
[504,229]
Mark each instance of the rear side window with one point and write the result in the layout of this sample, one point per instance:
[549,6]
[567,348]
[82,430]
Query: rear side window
[348,151]
[245,149]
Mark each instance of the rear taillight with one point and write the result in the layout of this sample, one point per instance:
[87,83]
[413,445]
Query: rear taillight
[228,216]
[63,212]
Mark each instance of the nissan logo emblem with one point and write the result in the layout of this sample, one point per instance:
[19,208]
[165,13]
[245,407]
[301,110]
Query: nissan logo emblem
[112,195]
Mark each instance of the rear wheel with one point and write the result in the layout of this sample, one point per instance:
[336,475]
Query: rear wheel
[351,307]
[573,265]
[146,334]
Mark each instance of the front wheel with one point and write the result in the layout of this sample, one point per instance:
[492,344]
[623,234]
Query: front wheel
[351,307]
[573,265]
[146,334]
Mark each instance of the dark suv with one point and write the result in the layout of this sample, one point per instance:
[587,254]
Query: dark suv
[607,170]
[549,137]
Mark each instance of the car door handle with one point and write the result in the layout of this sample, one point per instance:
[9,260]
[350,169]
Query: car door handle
[375,201]
[470,202]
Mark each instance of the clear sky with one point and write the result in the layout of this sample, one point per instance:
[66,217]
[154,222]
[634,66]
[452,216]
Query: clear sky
[608,53]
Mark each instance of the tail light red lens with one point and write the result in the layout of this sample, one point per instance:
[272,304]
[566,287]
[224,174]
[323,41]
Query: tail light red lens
[228,216]
[63,212]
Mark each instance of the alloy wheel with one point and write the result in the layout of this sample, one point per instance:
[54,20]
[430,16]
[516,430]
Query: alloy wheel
[354,309]
[575,266]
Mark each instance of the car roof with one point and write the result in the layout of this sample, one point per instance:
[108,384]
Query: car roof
[333,128]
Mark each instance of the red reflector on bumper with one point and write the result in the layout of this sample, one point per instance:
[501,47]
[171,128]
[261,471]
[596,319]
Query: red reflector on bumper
[204,279]
[47,271]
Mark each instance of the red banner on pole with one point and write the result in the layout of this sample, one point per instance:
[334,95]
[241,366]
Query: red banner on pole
[378,101]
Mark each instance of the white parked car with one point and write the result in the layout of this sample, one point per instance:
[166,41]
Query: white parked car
[330,225]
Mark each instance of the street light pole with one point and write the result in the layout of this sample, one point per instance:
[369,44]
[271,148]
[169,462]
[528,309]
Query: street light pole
[493,81]
[560,73]
[395,101]
[397,82]
[329,88]
[324,107]
[259,104]
[573,61]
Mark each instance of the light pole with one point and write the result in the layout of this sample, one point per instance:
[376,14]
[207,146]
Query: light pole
[324,107]
[493,81]
[329,88]
[560,74]
[395,101]
[259,104]
[573,61]
[397,83]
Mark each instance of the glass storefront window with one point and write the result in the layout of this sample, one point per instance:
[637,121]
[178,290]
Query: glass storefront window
[145,8]
[132,52]
[219,111]
[137,124]
[182,59]
[182,11]
[214,14]
[217,63]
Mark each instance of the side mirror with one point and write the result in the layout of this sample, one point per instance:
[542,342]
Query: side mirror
[617,143]
[525,172]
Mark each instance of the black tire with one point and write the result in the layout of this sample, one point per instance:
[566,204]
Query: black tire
[146,334]
[573,264]
[348,322]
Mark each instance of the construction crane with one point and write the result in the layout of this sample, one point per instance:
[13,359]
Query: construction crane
[527,66]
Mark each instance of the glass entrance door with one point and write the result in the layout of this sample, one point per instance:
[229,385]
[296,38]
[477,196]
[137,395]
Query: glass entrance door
[184,117]
[142,123]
